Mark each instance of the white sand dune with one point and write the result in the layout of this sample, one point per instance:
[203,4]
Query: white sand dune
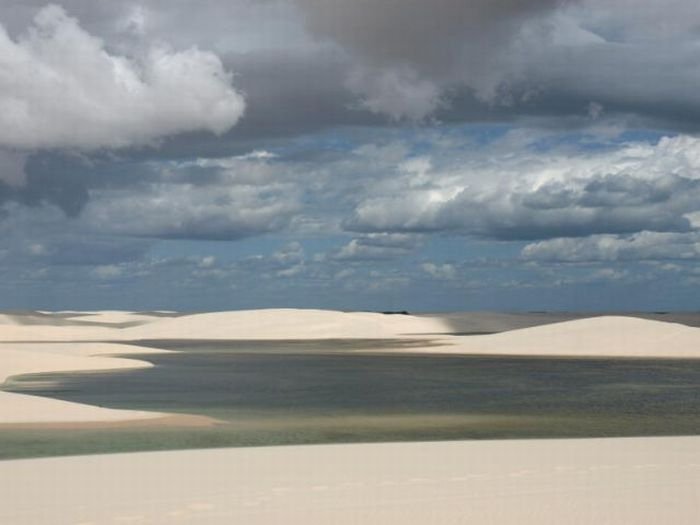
[287,324]
[18,358]
[50,333]
[245,324]
[115,318]
[609,336]
[640,481]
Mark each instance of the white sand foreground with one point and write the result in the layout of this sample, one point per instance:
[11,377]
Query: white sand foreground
[648,481]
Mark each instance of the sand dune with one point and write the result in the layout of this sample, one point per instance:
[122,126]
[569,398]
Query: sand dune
[287,324]
[49,333]
[494,322]
[609,336]
[646,481]
[245,324]
[17,359]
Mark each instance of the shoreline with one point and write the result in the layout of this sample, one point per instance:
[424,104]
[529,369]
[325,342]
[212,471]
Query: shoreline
[158,420]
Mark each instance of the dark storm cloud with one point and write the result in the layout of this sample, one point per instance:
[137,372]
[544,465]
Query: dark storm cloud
[431,36]
[408,52]
[67,192]
[462,61]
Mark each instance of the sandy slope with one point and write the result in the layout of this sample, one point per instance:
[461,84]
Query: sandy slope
[608,336]
[648,481]
[287,324]
[17,358]
[245,324]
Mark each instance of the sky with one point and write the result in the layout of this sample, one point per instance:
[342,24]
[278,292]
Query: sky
[440,155]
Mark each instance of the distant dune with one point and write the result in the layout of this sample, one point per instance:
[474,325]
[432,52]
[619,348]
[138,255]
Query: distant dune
[609,336]
[495,322]
[288,324]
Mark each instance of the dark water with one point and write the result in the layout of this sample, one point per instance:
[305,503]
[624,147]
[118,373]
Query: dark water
[283,393]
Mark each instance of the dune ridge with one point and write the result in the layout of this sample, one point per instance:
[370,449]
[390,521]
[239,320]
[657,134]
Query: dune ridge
[607,336]
[288,323]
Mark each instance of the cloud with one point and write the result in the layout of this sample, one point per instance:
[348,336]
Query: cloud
[20,182]
[399,93]
[215,199]
[606,248]
[523,186]
[525,194]
[107,272]
[187,211]
[305,64]
[445,272]
[377,246]
[637,58]
[61,87]
[12,168]
[407,52]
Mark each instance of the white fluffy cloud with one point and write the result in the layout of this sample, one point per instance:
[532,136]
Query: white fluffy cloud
[376,246]
[521,193]
[61,87]
[445,272]
[182,210]
[607,248]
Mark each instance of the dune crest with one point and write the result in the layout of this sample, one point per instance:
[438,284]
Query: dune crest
[288,324]
[607,336]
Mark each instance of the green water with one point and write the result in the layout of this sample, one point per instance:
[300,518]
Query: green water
[326,392]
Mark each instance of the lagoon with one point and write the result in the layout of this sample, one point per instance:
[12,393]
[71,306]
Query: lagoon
[298,392]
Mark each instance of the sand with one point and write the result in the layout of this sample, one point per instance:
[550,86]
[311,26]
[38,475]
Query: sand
[22,358]
[608,336]
[275,324]
[575,482]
